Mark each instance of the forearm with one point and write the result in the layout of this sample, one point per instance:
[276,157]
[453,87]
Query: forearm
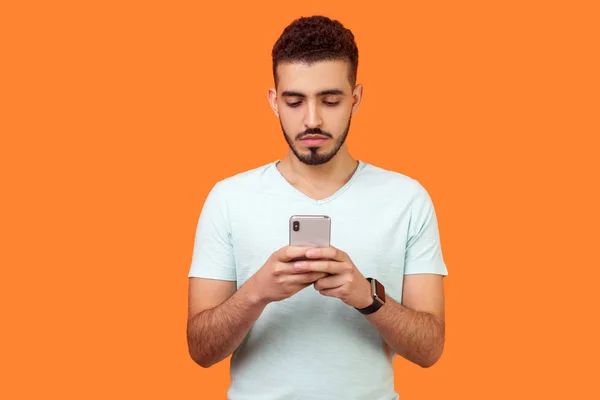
[416,336]
[215,333]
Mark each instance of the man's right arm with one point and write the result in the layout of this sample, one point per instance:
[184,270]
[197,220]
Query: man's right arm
[219,317]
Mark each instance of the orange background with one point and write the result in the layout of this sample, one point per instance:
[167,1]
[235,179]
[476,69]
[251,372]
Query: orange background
[118,117]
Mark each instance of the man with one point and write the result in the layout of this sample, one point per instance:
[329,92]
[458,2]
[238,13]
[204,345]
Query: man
[316,329]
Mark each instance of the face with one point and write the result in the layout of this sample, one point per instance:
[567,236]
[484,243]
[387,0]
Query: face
[315,104]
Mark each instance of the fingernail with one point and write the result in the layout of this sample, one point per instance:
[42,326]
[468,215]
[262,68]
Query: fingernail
[298,265]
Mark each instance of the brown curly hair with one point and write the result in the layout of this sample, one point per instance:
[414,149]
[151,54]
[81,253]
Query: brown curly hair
[316,38]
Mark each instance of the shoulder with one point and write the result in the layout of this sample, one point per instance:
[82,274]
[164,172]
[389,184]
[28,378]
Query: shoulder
[227,191]
[394,183]
[241,182]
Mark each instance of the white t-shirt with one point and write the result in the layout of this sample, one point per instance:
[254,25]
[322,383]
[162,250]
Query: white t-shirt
[311,346]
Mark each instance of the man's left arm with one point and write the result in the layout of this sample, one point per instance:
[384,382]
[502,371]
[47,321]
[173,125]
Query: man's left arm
[414,329]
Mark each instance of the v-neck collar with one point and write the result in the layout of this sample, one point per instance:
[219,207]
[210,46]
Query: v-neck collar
[279,176]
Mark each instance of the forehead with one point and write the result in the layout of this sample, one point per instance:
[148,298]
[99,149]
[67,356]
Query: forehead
[313,78]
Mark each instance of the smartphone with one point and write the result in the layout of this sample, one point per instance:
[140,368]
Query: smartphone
[310,230]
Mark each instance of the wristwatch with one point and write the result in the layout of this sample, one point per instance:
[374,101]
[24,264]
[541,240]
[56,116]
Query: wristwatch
[378,294]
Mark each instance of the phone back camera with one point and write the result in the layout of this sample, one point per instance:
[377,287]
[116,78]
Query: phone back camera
[296,226]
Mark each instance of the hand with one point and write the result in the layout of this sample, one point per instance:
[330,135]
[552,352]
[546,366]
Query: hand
[343,279]
[277,279]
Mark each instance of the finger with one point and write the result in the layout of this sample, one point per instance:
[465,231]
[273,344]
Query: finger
[307,278]
[328,266]
[330,282]
[330,253]
[288,253]
[290,268]
[333,292]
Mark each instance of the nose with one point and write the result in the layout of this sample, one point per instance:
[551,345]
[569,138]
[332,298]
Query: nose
[312,118]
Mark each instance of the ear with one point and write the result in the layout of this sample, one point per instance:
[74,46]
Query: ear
[272,95]
[356,98]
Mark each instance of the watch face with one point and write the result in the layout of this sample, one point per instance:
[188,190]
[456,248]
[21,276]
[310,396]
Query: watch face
[379,291]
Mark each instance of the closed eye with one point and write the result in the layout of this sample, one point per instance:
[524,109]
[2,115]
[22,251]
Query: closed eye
[327,103]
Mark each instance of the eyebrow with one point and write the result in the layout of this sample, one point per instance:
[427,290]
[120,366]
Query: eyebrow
[328,92]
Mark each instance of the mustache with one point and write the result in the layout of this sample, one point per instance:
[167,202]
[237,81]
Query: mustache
[313,131]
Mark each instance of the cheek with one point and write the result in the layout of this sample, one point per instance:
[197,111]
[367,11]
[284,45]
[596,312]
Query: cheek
[339,120]
[290,123]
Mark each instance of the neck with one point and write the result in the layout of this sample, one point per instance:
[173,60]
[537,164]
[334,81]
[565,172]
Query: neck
[337,171]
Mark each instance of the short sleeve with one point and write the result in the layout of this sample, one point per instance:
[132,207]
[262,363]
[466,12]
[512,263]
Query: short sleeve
[423,249]
[213,255]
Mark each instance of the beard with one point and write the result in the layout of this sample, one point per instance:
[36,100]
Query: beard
[316,156]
